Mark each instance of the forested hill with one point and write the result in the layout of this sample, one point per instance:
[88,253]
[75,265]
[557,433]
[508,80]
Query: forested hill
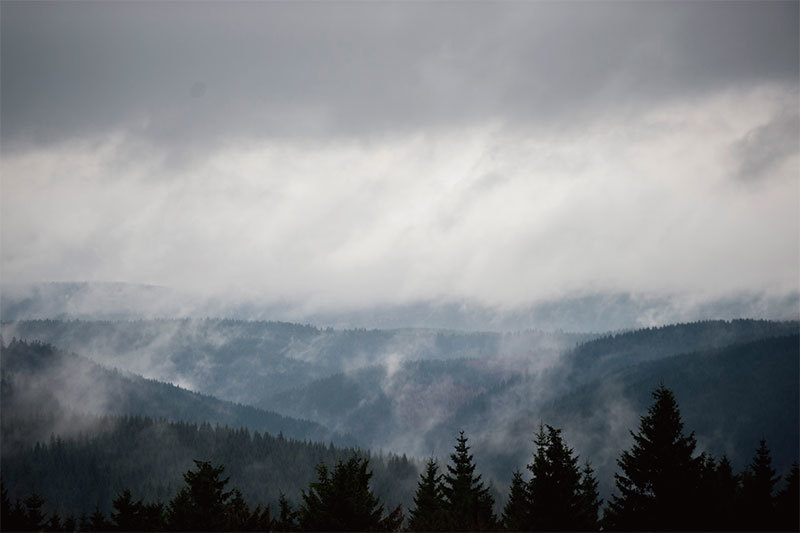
[609,353]
[730,397]
[149,457]
[49,386]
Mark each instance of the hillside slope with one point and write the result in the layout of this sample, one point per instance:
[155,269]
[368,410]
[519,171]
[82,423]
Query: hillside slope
[48,386]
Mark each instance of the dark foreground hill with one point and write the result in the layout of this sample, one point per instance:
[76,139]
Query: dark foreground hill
[149,457]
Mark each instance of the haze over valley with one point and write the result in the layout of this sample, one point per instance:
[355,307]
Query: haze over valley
[460,263]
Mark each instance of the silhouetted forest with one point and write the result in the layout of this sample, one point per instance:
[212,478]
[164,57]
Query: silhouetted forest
[663,483]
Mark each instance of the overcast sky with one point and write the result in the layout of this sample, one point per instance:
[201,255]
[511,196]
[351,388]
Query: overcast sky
[357,153]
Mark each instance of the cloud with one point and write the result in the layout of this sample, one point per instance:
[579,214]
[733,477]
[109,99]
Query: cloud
[347,155]
[644,206]
[190,75]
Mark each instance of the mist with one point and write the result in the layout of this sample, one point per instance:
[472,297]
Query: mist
[379,224]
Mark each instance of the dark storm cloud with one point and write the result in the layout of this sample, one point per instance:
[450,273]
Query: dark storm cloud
[173,72]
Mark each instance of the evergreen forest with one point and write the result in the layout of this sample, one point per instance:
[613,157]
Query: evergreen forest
[92,447]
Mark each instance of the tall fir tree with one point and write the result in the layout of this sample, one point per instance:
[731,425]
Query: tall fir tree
[787,503]
[343,501]
[201,504]
[555,485]
[721,490]
[428,513]
[98,521]
[287,517]
[659,480]
[469,505]
[127,514]
[5,506]
[589,501]
[34,516]
[517,509]
[758,487]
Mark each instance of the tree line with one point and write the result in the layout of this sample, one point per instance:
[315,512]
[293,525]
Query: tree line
[662,484]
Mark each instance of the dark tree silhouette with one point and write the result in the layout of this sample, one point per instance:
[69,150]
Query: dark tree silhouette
[758,486]
[468,503]
[429,504]
[5,505]
[517,509]
[127,514]
[287,518]
[34,516]
[659,481]
[720,490]
[343,501]
[787,504]
[98,521]
[201,504]
[557,499]
[588,501]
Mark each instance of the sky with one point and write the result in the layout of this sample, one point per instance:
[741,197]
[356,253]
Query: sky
[351,154]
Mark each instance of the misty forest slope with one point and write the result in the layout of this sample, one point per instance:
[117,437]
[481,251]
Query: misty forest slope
[250,362]
[41,385]
[410,391]
[745,369]
[730,397]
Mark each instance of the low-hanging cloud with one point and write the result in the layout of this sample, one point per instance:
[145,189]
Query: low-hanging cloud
[647,207]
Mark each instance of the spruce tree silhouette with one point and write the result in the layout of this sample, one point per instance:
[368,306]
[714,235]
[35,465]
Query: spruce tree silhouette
[468,503]
[201,504]
[287,518]
[758,486]
[588,501]
[787,504]
[343,501]
[560,498]
[428,513]
[517,509]
[127,514]
[659,481]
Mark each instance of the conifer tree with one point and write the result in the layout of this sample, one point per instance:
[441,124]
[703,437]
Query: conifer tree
[202,503]
[154,517]
[720,487]
[468,503]
[659,481]
[428,512]
[127,513]
[555,486]
[34,516]
[588,501]
[54,522]
[237,513]
[5,505]
[758,485]
[19,519]
[787,504]
[97,520]
[343,501]
[516,511]
[287,518]
[70,524]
